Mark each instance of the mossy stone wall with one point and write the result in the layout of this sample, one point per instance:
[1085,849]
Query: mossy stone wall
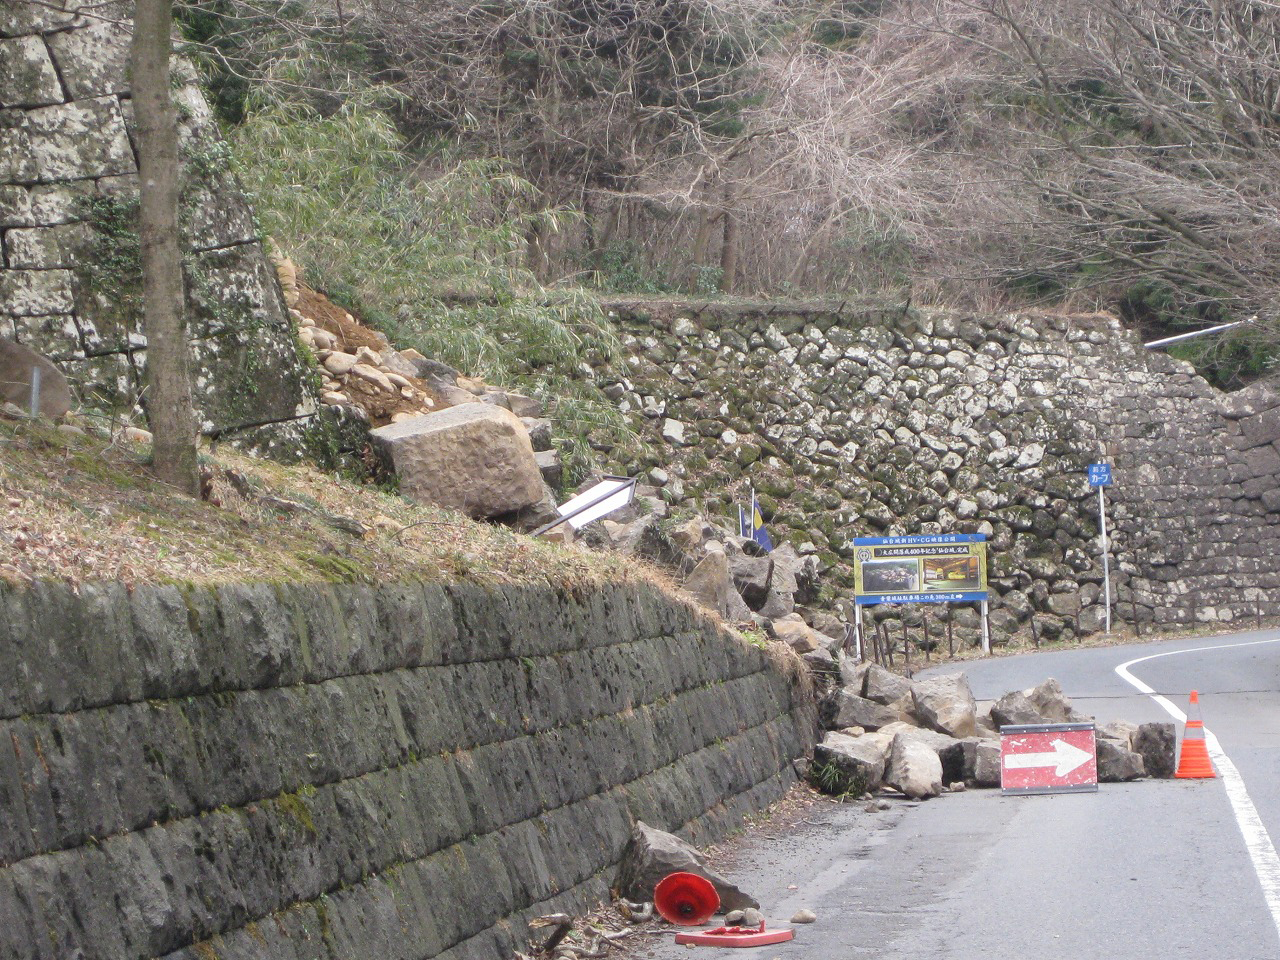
[348,772]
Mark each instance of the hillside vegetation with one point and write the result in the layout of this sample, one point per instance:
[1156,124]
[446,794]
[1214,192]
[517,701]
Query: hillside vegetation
[990,153]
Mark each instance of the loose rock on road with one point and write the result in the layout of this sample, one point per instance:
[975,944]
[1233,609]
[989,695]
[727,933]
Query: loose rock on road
[1154,868]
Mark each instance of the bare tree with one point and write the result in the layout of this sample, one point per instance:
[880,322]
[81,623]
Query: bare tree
[168,383]
[1124,149]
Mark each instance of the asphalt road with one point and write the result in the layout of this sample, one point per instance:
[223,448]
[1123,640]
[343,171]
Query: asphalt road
[1142,870]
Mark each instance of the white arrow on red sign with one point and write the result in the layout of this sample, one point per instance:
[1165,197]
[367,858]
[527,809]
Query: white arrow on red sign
[1064,756]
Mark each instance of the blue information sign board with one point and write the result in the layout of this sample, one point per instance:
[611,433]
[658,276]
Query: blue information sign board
[1099,474]
[944,568]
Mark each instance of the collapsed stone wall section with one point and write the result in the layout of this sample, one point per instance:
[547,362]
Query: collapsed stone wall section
[345,771]
[872,421]
[68,194]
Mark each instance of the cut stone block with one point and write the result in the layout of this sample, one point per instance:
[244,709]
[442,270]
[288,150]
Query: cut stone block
[474,457]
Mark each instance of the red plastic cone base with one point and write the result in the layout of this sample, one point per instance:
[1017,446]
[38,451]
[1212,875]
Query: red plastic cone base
[686,899]
[735,937]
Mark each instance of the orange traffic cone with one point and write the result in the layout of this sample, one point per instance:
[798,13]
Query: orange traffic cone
[1194,764]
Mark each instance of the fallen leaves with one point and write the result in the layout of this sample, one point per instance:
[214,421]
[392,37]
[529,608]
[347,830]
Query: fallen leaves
[76,508]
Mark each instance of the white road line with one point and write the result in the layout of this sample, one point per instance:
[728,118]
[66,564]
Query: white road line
[1256,839]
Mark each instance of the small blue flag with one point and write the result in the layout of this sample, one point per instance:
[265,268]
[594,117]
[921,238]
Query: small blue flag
[758,533]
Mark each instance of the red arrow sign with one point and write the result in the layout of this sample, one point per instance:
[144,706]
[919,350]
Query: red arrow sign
[1048,758]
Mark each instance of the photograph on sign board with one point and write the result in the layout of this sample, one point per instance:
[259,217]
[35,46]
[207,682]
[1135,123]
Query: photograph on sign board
[952,573]
[891,576]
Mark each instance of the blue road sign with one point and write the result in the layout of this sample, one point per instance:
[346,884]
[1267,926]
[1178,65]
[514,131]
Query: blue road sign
[1099,474]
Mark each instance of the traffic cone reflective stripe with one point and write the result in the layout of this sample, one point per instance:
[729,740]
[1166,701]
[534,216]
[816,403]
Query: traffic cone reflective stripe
[1194,763]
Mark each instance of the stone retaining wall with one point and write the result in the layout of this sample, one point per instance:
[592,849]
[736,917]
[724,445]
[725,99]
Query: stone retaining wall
[864,421]
[356,772]
[68,196]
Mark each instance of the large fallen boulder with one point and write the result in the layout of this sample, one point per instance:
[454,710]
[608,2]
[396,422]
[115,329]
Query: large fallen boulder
[884,686]
[794,580]
[843,708]
[1052,704]
[986,770]
[474,457]
[853,674]
[752,575]
[822,663]
[711,584]
[958,757]
[795,633]
[1116,762]
[946,704]
[960,762]
[1120,731]
[1015,708]
[1157,744]
[914,768]
[653,854]
[858,762]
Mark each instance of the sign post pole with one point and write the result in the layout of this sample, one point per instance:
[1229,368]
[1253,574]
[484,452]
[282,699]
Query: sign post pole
[986,631]
[857,633]
[1106,566]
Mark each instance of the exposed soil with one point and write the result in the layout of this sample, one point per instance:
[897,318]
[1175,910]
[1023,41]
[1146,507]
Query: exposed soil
[380,406]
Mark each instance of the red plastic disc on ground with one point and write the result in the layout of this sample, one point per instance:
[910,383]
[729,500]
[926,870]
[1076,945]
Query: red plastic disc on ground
[734,937]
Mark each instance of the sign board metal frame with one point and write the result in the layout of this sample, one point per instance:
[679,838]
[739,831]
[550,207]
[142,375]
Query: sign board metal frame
[1048,747]
[611,493]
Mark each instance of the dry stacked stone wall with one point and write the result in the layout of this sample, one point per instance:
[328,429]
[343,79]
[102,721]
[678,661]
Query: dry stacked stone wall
[864,421]
[351,772]
[69,281]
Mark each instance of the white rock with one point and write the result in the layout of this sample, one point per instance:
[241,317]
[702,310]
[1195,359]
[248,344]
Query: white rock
[339,363]
[373,375]
[914,768]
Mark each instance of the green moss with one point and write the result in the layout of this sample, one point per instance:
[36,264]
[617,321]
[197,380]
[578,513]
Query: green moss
[336,568]
[293,806]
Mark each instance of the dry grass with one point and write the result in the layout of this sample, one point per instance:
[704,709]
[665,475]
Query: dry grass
[79,507]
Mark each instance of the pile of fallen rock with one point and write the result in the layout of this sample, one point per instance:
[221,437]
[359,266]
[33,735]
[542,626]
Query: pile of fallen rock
[452,440]
[458,442]
[729,574]
[922,737]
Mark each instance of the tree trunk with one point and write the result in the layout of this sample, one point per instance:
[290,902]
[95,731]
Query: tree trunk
[708,217]
[729,251]
[168,384]
[536,259]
